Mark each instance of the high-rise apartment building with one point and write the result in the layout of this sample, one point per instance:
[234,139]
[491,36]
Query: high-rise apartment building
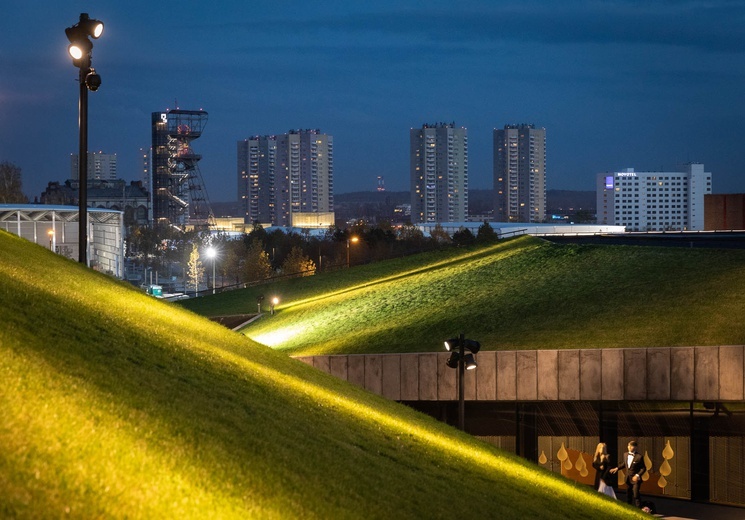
[283,176]
[101,166]
[439,173]
[143,158]
[520,174]
[257,158]
[654,201]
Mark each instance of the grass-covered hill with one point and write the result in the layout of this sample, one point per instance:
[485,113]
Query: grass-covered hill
[114,404]
[518,294]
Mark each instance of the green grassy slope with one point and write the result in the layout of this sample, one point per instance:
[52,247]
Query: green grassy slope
[114,404]
[520,294]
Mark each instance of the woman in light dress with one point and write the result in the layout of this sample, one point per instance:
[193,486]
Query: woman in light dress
[603,477]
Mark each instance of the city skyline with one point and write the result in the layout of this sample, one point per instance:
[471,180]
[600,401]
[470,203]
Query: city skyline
[658,84]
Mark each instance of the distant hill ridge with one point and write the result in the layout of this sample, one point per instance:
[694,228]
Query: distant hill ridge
[478,198]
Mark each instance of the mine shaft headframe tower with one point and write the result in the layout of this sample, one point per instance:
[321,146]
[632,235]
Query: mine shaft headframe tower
[179,196]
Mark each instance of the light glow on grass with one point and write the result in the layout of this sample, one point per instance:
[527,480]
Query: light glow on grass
[402,275]
[520,294]
[276,337]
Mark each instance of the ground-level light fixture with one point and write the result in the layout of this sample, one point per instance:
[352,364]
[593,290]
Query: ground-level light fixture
[353,240]
[80,51]
[463,357]
[274,302]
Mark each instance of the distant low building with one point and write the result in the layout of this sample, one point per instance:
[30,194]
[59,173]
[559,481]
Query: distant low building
[512,229]
[132,198]
[232,225]
[56,227]
[313,220]
[724,211]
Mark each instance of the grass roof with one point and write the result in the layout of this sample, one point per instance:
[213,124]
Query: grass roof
[114,404]
[523,293]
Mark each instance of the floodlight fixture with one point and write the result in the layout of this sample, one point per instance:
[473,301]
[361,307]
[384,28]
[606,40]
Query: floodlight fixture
[473,346]
[451,344]
[462,361]
[86,27]
[97,30]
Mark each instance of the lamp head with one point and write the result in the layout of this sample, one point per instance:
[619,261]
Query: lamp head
[79,49]
[452,361]
[451,344]
[470,361]
[473,346]
[78,34]
[95,28]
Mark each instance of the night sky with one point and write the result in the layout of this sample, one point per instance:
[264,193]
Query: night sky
[648,85]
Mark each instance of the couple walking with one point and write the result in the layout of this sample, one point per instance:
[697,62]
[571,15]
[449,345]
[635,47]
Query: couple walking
[632,462]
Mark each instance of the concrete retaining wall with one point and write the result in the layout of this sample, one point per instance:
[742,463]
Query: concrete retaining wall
[634,374]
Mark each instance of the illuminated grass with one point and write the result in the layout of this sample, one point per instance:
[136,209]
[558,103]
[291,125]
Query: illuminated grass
[117,405]
[520,294]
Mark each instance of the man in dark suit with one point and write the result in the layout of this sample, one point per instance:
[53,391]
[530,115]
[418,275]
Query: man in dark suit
[633,463]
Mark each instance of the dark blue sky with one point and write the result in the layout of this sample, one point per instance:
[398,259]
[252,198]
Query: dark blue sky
[649,85]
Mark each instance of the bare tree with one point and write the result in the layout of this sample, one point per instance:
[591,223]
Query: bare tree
[11,187]
[195,269]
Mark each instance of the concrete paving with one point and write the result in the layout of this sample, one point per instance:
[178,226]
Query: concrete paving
[676,509]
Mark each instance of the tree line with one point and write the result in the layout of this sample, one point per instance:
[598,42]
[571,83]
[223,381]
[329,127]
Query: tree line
[261,255]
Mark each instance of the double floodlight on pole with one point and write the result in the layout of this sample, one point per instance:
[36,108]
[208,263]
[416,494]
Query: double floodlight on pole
[80,51]
[462,361]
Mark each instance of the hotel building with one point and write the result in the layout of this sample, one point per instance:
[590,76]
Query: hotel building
[654,201]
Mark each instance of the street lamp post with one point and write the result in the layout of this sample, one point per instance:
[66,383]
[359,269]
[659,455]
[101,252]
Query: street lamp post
[212,253]
[51,237]
[354,240]
[80,50]
[462,361]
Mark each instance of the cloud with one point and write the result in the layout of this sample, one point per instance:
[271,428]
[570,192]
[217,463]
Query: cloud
[708,26]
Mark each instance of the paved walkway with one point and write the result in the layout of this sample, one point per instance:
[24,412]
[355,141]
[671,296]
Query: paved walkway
[676,509]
